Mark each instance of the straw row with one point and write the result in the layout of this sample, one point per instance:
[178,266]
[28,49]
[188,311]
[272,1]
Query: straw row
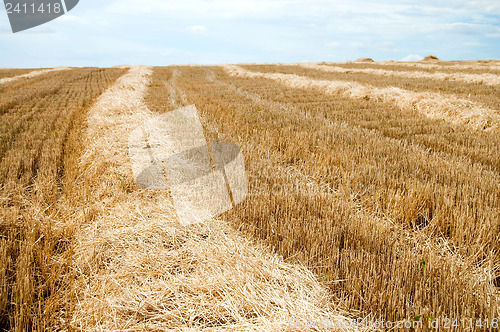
[336,182]
[492,65]
[433,105]
[31,74]
[488,79]
[141,270]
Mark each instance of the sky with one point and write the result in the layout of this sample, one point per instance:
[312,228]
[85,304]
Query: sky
[164,32]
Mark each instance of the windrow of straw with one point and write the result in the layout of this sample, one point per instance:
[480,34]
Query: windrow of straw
[370,196]
[492,65]
[31,74]
[433,105]
[38,119]
[488,79]
[139,269]
[11,72]
[485,95]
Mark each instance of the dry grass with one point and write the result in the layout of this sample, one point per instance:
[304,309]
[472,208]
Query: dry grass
[147,273]
[390,223]
[457,65]
[139,269]
[488,79]
[486,95]
[31,74]
[446,68]
[433,105]
[397,213]
[37,133]
[11,72]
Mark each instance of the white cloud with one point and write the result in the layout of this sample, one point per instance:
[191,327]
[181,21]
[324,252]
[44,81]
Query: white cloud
[159,31]
[333,44]
[466,28]
[197,28]
[412,57]
[473,29]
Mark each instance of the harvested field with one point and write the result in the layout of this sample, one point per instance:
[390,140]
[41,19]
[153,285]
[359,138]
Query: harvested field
[414,67]
[481,94]
[433,105]
[493,65]
[37,131]
[107,255]
[480,88]
[488,79]
[356,204]
[11,72]
[29,74]
[370,196]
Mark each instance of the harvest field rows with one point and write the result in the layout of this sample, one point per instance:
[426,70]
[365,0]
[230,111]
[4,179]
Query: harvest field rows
[382,179]
[488,79]
[492,66]
[6,73]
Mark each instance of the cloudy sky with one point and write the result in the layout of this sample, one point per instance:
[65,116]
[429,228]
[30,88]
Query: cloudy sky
[163,32]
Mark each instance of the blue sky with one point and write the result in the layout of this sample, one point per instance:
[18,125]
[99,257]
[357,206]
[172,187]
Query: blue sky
[156,32]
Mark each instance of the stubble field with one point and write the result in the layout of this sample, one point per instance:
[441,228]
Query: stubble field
[374,192]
